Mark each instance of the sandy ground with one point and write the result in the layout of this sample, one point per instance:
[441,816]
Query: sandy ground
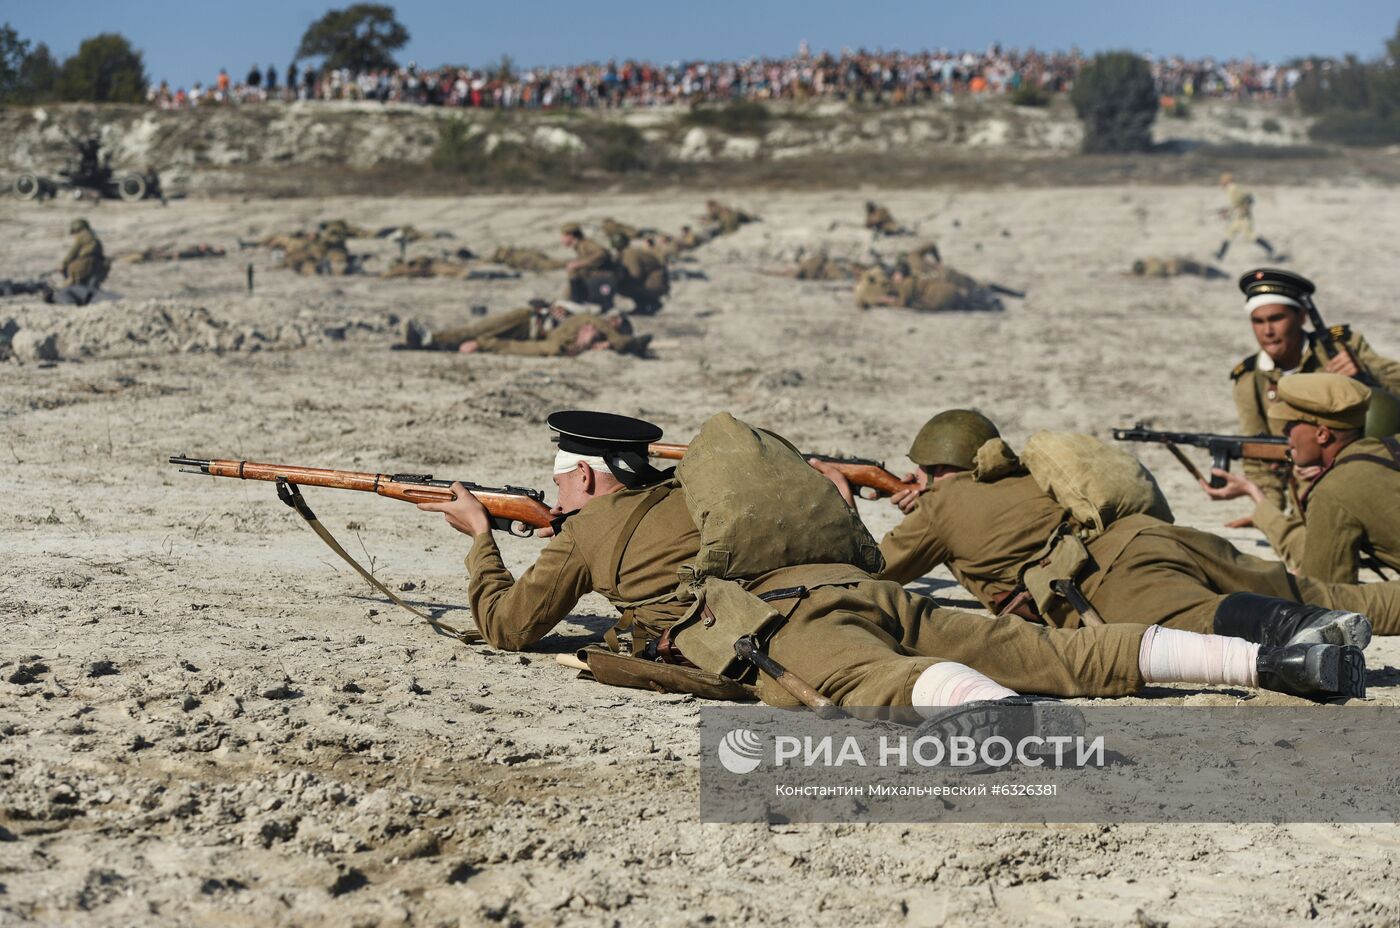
[206,719]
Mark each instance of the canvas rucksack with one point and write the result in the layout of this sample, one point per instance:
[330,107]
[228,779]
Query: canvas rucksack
[760,507]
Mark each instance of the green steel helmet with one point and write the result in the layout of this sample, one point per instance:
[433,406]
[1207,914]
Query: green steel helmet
[952,437]
[77,225]
[620,240]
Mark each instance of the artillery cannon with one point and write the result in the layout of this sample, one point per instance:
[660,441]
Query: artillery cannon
[89,174]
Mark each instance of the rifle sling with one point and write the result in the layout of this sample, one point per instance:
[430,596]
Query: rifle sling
[290,494]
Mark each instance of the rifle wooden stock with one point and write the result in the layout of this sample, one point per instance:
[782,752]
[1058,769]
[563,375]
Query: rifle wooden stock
[509,507]
[1258,451]
[868,475]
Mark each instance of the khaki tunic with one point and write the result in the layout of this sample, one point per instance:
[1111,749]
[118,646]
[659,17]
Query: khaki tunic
[1256,389]
[592,257]
[1175,267]
[1240,212]
[820,267]
[1142,571]
[611,228]
[644,278]
[872,288]
[880,220]
[525,259]
[860,643]
[562,341]
[1354,510]
[85,263]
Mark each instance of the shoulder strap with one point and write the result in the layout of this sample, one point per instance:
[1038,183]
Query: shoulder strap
[1244,367]
[655,495]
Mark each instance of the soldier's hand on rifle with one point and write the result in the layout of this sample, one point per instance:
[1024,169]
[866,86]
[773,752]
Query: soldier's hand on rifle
[838,479]
[1343,364]
[465,512]
[1236,485]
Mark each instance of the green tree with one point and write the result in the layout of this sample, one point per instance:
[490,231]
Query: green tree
[13,51]
[361,37]
[106,69]
[38,76]
[1116,99]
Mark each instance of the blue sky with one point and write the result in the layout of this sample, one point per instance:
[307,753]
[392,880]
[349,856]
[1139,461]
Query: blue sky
[191,40]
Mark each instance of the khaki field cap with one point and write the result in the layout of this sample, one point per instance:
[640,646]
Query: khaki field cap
[952,437]
[573,229]
[1323,399]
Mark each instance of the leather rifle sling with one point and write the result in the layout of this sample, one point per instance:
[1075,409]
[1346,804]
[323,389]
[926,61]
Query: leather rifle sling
[290,494]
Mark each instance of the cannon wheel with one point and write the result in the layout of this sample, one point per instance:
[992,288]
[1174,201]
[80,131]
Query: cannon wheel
[132,187]
[28,187]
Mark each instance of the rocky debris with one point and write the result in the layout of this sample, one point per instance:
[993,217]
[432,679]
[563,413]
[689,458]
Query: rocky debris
[132,328]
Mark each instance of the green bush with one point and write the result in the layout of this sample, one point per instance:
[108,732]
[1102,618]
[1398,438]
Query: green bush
[1271,125]
[1345,127]
[1029,95]
[742,117]
[1116,99]
[611,147]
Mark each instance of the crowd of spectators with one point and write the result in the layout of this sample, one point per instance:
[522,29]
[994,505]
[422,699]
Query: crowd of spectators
[884,78]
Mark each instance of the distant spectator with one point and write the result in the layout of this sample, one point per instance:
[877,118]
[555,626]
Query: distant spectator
[271,79]
[254,77]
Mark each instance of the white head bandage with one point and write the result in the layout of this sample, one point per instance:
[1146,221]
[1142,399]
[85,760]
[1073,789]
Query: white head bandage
[1270,299]
[565,461]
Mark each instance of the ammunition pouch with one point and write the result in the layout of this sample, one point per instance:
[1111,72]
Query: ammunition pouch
[1062,560]
[723,613]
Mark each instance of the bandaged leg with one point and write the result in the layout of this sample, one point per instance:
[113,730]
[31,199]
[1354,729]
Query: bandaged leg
[1171,656]
[951,684]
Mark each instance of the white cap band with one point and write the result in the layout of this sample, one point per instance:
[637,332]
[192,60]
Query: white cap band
[1270,299]
[565,461]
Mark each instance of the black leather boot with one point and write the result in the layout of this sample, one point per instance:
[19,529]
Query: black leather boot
[1313,671]
[1275,622]
[1224,247]
[1268,249]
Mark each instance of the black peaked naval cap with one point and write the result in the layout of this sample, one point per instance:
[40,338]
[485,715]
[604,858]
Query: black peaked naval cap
[600,433]
[1273,280]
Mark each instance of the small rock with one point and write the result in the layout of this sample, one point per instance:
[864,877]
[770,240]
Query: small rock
[347,882]
[102,668]
[281,690]
[28,672]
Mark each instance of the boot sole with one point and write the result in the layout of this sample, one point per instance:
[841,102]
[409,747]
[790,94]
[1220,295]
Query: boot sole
[1339,671]
[1349,629]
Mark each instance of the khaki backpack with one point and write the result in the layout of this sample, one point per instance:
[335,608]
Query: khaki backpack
[760,507]
[1097,483]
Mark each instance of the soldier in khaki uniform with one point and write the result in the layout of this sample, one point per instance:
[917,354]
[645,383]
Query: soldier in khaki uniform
[1240,213]
[643,279]
[537,330]
[592,274]
[1352,508]
[860,642]
[820,266]
[727,218]
[611,229]
[1272,299]
[924,260]
[525,259]
[427,267]
[1140,569]
[84,265]
[1175,267]
[945,290]
[880,221]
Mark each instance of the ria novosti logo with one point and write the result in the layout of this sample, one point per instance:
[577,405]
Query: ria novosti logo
[740,751]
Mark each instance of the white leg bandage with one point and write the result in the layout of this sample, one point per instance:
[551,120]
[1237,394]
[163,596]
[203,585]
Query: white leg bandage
[949,684]
[1171,656]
